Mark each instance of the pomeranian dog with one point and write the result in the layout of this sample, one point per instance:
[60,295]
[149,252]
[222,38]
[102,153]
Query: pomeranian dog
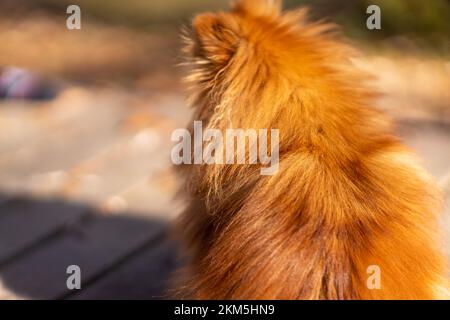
[348,197]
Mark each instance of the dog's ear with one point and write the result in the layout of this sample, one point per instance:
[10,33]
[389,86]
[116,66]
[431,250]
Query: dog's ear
[215,37]
[259,7]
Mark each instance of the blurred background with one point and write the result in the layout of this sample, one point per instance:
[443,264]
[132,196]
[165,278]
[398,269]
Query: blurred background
[86,117]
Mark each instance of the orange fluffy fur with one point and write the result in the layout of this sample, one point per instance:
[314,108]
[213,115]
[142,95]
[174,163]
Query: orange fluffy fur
[348,194]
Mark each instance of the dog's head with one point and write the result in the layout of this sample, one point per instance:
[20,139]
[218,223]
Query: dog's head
[254,63]
[217,37]
[226,39]
[254,51]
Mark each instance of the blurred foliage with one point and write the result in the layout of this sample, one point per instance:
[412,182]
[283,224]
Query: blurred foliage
[132,13]
[426,23]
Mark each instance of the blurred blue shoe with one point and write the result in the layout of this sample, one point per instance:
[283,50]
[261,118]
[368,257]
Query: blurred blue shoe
[17,83]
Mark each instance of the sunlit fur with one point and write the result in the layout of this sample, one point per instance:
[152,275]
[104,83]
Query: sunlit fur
[348,194]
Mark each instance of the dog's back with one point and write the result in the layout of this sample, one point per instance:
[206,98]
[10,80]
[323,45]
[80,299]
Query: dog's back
[348,195]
